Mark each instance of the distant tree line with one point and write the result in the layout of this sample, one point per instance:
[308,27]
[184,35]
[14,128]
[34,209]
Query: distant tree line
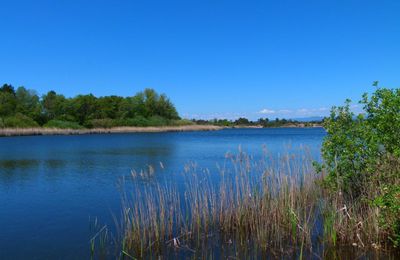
[262,122]
[23,107]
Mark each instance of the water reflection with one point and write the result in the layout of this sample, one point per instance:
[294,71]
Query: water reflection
[19,164]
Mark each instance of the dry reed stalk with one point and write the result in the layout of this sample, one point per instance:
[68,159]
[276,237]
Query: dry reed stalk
[57,131]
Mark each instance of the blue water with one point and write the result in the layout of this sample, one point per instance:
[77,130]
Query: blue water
[52,187]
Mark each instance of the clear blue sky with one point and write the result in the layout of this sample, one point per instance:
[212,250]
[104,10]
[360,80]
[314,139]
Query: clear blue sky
[212,58]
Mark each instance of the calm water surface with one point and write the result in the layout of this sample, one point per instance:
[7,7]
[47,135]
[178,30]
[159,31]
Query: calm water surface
[51,186]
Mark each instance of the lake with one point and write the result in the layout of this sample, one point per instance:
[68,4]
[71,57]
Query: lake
[53,187]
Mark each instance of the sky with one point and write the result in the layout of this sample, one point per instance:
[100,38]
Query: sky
[214,59]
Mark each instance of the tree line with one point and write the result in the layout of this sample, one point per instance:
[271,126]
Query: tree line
[262,122]
[23,107]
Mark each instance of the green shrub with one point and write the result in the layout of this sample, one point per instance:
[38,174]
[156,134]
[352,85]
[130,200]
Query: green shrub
[2,125]
[20,121]
[389,205]
[157,121]
[100,123]
[62,124]
[136,121]
[354,145]
[362,156]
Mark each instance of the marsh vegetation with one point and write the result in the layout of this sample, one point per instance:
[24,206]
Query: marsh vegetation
[279,205]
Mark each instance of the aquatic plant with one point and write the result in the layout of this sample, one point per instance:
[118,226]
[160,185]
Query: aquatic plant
[270,203]
[270,206]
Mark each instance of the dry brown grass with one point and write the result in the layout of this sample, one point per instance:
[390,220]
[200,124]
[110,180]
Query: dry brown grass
[57,131]
[270,203]
[274,206]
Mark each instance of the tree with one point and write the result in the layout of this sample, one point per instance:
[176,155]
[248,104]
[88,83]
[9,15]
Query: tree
[165,108]
[7,103]
[27,103]
[83,108]
[242,121]
[54,105]
[144,108]
[150,102]
[108,107]
[7,88]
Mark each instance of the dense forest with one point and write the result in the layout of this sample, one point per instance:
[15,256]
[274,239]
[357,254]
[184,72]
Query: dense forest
[22,107]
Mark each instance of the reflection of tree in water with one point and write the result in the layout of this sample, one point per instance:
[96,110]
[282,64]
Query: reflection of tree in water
[19,169]
[21,163]
[131,152]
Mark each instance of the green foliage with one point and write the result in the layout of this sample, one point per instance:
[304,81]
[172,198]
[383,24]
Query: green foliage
[262,122]
[19,121]
[242,121]
[53,105]
[83,108]
[27,103]
[62,124]
[353,145]
[7,102]
[362,155]
[277,122]
[136,121]
[389,205]
[157,121]
[100,123]
[383,117]
[146,108]
[346,149]
[7,88]
[108,107]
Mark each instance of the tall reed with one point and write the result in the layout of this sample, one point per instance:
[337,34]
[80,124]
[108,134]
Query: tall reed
[270,202]
[270,206]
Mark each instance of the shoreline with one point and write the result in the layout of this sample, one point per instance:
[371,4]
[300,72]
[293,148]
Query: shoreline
[7,132]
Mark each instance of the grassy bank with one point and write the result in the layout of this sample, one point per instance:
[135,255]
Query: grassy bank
[68,131]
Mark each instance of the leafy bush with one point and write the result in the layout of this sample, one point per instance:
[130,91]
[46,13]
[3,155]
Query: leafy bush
[157,121]
[19,121]
[62,124]
[362,155]
[136,121]
[100,123]
[389,205]
[347,149]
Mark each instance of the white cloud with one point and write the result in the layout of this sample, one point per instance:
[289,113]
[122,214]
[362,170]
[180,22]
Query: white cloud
[266,111]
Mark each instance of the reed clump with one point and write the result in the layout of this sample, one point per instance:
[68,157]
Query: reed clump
[272,206]
[121,129]
[271,203]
